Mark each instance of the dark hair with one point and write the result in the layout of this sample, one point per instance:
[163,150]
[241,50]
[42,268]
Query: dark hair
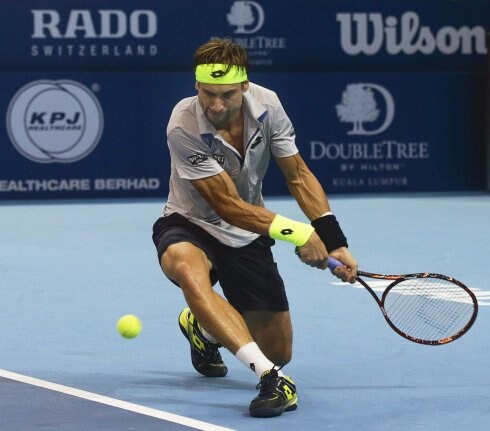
[221,51]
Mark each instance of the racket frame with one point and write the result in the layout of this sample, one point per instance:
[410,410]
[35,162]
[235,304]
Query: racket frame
[398,279]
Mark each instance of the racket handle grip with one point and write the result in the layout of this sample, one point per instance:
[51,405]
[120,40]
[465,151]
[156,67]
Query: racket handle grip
[333,263]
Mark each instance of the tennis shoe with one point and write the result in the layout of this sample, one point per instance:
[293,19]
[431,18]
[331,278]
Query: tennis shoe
[205,356]
[277,395]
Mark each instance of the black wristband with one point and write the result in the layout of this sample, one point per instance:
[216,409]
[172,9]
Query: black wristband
[329,231]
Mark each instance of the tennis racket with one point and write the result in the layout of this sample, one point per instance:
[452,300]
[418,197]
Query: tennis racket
[424,308]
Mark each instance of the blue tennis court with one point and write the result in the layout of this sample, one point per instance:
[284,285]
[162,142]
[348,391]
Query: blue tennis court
[70,269]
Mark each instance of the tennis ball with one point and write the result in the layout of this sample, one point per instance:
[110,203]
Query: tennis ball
[129,326]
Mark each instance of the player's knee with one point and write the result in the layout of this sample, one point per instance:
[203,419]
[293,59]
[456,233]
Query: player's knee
[182,272]
[182,260]
[178,270]
[176,261]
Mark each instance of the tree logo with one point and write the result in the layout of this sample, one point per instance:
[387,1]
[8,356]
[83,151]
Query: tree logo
[247,16]
[359,106]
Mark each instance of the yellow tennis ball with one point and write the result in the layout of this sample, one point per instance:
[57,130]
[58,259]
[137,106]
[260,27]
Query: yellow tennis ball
[129,326]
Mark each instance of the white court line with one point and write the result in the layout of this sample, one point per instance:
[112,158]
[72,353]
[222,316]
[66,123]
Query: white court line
[147,411]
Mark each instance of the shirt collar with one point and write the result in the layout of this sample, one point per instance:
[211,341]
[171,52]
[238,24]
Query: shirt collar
[254,110]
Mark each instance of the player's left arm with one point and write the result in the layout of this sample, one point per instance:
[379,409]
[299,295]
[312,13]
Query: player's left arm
[311,197]
[304,186]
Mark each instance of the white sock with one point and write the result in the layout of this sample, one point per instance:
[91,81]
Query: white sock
[252,357]
[207,335]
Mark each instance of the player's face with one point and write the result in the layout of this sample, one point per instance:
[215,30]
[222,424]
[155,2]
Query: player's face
[221,103]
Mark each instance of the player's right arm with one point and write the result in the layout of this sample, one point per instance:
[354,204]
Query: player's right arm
[194,162]
[220,192]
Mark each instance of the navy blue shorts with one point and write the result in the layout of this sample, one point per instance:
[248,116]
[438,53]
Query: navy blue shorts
[247,275]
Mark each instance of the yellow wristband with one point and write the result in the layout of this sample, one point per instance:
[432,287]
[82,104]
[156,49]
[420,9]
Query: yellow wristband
[291,231]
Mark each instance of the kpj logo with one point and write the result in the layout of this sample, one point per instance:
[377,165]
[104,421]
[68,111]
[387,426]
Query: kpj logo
[54,121]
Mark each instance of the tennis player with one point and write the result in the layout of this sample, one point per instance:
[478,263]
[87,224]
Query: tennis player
[215,228]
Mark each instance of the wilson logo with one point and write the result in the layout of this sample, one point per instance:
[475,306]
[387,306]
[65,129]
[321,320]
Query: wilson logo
[372,32]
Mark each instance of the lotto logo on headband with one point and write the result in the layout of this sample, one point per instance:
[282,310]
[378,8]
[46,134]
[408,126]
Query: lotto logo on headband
[216,74]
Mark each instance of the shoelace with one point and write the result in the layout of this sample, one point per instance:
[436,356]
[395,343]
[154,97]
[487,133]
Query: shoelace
[268,384]
[214,352]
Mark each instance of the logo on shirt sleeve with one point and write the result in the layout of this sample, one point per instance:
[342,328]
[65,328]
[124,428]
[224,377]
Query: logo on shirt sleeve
[197,159]
[220,158]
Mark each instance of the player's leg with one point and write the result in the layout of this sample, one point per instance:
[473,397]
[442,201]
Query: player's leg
[272,331]
[186,254]
[205,355]
[175,229]
[189,267]
[252,283]
[273,334]
[186,263]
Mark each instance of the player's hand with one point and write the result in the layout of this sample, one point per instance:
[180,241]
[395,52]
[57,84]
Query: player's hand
[313,253]
[347,272]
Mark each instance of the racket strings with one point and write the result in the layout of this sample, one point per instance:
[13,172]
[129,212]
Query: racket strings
[429,309]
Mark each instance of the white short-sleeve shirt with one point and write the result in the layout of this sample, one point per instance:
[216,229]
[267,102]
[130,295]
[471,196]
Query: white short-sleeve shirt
[197,151]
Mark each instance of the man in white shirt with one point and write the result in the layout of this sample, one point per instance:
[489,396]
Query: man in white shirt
[215,227]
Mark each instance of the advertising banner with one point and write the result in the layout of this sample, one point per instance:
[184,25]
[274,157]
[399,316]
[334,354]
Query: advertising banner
[85,134]
[103,134]
[388,132]
[280,35]
[385,96]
